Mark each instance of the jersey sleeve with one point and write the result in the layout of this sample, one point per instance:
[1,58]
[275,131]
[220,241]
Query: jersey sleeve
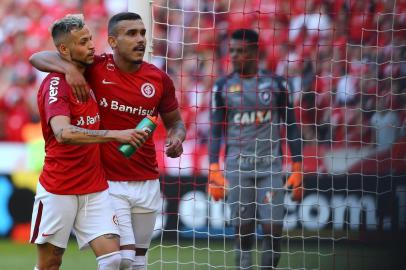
[56,98]
[217,117]
[168,101]
[285,105]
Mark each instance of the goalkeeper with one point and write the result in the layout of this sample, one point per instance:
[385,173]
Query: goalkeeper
[249,108]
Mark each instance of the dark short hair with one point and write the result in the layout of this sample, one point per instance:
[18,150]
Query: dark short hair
[63,27]
[122,16]
[248,35]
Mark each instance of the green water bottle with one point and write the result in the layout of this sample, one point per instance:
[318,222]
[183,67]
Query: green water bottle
[148,125]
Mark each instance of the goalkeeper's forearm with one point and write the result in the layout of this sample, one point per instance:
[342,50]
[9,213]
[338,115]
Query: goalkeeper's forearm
[293,135]
[216,132]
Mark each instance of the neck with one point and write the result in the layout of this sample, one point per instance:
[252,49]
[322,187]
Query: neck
[79,66]
[248,71]
[124,65]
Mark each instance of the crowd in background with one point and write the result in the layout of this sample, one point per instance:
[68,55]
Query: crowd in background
[345,60]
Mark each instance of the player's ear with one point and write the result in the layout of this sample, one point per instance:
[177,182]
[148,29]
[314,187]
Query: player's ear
[112,42]
[63,50]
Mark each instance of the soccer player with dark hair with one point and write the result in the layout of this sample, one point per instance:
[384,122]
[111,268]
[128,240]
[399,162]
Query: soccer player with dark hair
[128,89]
[72,189]
[248,109]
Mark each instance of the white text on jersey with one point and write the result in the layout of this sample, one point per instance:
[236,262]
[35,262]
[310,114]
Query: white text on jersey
[53,90]
[90,120]
[116,106]
[253,117]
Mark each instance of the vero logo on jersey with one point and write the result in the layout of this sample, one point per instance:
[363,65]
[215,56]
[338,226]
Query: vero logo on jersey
[253,117]
[116,106]
[53,90]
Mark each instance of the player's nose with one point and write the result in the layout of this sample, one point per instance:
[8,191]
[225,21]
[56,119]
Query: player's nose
[91,45]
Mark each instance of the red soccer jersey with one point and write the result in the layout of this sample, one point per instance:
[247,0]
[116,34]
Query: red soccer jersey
[124,100]
[69,169]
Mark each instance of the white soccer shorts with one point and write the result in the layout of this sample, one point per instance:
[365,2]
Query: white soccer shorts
[55,216]
[133,197]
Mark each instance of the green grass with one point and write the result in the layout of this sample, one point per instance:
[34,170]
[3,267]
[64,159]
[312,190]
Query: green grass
[203,255]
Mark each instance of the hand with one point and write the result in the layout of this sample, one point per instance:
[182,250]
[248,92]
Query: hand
[217,184]
[131,136]
[174,147]
[78,83]
[295,182]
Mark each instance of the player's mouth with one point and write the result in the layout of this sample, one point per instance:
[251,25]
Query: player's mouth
[140,48]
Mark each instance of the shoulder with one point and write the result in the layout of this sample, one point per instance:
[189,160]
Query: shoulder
[220,82]
[151,68]
[280,84]
[54,88]
[274,77]
[102,57]
[54,81]
[102,60]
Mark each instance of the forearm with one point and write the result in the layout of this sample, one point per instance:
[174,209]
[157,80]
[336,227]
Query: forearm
[50,61]
[214,150]
[76,135]
[295,144]
[178,130]
[293,135]
[215,136]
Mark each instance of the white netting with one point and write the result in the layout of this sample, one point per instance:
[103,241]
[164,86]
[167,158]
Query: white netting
[346,64]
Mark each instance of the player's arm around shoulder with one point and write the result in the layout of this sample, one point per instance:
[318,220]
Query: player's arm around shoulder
[67,133]
[176,133]
[51,61]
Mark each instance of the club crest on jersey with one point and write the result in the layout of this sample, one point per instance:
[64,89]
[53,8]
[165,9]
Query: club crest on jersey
[265,97]
[115,220]
[148,90]
[234,88]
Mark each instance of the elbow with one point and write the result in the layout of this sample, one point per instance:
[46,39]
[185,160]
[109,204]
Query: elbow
[32,59]
[63,138]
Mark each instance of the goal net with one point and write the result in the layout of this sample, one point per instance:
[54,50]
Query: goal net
[345,63]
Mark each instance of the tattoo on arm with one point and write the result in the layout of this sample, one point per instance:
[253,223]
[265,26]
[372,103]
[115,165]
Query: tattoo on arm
[179,129]
[59,133]
[89,132]
[179,125]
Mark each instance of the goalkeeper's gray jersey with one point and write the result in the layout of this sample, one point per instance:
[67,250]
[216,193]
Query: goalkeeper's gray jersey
[252,109]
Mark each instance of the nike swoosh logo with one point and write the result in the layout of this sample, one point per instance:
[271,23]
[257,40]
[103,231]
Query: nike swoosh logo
[47,234]
[107,82]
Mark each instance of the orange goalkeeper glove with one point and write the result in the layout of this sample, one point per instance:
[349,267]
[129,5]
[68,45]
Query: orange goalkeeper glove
[295,181]
[217,184]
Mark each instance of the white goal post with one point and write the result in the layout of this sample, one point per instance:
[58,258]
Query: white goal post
[143,8]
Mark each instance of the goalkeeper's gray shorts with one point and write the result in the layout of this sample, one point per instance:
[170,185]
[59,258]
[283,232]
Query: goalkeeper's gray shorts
[254,197]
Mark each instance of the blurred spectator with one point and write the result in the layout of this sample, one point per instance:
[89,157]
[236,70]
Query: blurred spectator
[385,123]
